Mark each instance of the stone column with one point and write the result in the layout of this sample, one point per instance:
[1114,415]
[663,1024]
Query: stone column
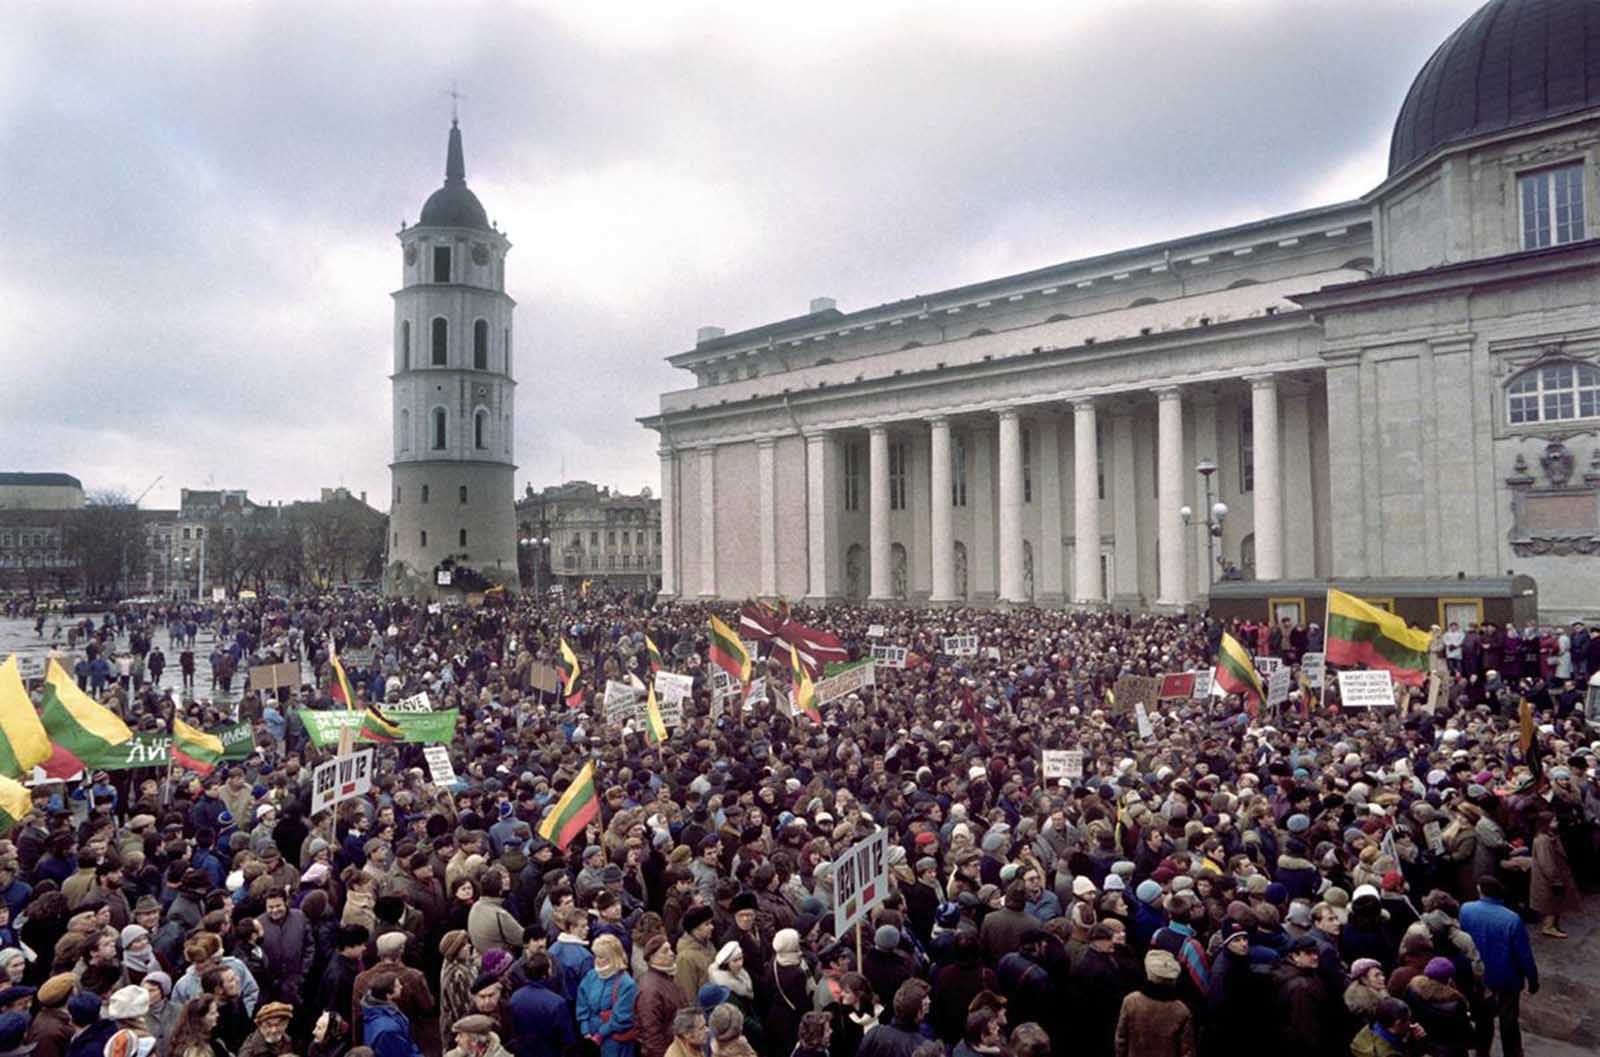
[708,521]
[1169,497]
[1086,505]
[1268,484]
[1299,523]
[767,487]
[1047,574]
[941,535]
[1011,585]
[820,524]
[669,525]
[1125,510]
[880,578]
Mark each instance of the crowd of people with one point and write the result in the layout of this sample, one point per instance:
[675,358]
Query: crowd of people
[1227,879]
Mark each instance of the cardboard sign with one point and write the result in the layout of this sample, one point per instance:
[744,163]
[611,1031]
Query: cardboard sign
[723,688]
[852,679]
[219,594]
[860,880]
[272,676]
[671,713]
[1063,763]
[545,679]
[341,779]
[414,703]
[439,765]
[960,645]
[1178,686]
[621,703]
[1277,687]
[1142,717]
[1366,689]
[757,692]
[1267,665]
[673,687]
[1202,684]
[993,653]
[1132,690]
[1314,665]
[875,631]
[889,656]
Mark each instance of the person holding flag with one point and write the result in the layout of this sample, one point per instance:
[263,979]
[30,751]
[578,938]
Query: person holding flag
[805,692]
[656,663]
[569,670]
[655,729]
[578,806]
[1236,673]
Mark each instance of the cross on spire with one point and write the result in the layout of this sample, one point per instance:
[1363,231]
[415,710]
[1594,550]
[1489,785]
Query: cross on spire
[455,100]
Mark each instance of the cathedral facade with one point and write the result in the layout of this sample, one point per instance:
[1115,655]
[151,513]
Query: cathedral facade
[452,525]
[1403,385]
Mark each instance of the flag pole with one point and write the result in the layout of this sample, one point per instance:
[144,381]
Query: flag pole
[1322,698]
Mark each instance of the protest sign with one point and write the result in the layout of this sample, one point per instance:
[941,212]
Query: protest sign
[414,703]
[1133,690]
[993,653]
[1314,665]
[272,676]
[673,687]
[850,679]
[757,692]
[960,645]
[1063,763]
[671,713]
[439,765]
[1267,665]
[421,728]
[723,689]
[340,779]
[889,656]
[1366,689]
[1435,837]
[621,702]
[1178,686]
[545,678]
[155,750]
[1202,684]
[860,880]
[1146,728]
[875,631]
[1277,687]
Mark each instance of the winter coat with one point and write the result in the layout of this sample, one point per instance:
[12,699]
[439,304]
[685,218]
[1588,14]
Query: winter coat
[1443,1013]
[496,1049]
[575,961]
[386,1030]
[1298,876]
[891,1040]
[289,948]
[954,987]
[541,1021]
[1304,1019]
[694,965]
[1552,889]
[1503,944]
[606,1012]
[1235,998]
[788,993]
[659,999]
[1155,1022]
[886,970]
[490,925]
[51,1031]
[455,990]
[1001,933]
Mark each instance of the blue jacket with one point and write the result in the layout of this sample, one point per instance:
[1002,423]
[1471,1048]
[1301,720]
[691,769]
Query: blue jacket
[575,961]
[1046,908]
[541,1021]
[618,994]
[386,1030]
[1503,945]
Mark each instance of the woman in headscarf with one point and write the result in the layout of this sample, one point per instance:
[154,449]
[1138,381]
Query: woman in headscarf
[138,956]
[606,998]
[728,970]
[162,1015]
[788,990]
[460,968]
[13,965]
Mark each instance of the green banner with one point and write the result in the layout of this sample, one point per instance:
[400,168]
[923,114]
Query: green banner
[155,750]
[423,728]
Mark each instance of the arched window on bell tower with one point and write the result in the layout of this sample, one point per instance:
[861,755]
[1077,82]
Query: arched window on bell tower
[480,346]
[405,429]
[405,345]
[441,341]
[480,430]
[441,423]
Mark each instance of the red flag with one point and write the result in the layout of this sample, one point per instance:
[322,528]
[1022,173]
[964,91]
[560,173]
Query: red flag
[758,621]
[817,649]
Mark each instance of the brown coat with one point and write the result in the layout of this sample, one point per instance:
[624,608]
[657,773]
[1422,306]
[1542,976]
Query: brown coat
[1552,888]
[659,1000]
[416,999]
[52,1029]
[1154,1027]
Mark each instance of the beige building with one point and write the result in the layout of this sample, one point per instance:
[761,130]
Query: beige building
[580,531]
[1403,385]
[40,491]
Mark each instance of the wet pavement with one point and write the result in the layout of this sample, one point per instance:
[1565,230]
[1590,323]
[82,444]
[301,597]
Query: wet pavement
[1563,1019]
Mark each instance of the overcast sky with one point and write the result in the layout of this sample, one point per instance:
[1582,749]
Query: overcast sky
[199,209]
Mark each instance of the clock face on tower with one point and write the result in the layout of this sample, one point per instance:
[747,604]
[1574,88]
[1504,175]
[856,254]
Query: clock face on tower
[480,392]
[480,254]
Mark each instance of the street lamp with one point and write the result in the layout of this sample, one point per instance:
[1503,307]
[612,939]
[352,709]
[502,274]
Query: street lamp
[1217,513]
[539,543]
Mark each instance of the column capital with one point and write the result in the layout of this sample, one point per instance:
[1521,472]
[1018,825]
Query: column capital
[767,443]
[937,421]
[1008,413]
[666,453]
[1262,381]
[817,435]
[1083,403]
[878,429]
[1168,392]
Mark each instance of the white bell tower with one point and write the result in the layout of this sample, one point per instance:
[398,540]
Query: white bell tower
[452,502]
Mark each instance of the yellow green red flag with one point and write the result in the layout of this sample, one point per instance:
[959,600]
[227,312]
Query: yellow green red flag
[23,741]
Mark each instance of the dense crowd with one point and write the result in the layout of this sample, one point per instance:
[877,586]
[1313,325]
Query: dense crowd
[1235,880]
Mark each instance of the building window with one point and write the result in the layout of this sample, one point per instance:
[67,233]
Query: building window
[594,561]
[572,561]
[897,476]
[1552,206]
[441,264]
[480,430]
[638,539]
[405,345]
[958,469]
[611,539]
[852,476]
[480,346]
[611,561]
[1247,451]
[424,493]
[1555,393]
[441,422]
[1027,466]
[405,429]
[594,538]
[463,493]
[424,535]
[441,341]
[396,499]
[463,538]
[577,539]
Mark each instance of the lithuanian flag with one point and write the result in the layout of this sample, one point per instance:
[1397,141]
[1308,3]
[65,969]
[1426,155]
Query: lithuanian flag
[340,690]
[1359,633]
[23,742]
[194,748]
[656,664]
[655,731]
[567,665]
[375,726]
[78,725]
[805,693]
[578,807]
[1236,673]
[15,803]
[728,653]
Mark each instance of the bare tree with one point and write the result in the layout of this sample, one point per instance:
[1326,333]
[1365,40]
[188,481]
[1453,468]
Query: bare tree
[107,542]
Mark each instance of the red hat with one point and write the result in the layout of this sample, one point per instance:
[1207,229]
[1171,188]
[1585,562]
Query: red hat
[1394,882]
[925,838]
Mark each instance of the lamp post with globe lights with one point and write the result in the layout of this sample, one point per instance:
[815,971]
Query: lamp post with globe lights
[539,545]
[1216,514]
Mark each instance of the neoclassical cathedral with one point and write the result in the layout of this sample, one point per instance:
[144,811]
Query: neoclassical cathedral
[1404,385]
[452,509]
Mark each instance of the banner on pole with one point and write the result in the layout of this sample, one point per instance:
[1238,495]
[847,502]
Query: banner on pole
[415,703]
[1177,686]
[340,779]
[673,687]
[1266,665]
[621,703]
[1202,684]
[1142,716]
[875,631]
[1314,665]
[420,728]
[960,645]
[1277,687]
[1131,690]
[849,680]
[889,656]
[1366,688]
[273,676]
[860,880]
[439,765]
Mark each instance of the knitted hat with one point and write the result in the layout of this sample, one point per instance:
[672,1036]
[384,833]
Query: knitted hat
[887,938]
[1439,969]
[274,1011]
[1161,967]
[1148,891]
[452,943]
[696,916]
[1363,966]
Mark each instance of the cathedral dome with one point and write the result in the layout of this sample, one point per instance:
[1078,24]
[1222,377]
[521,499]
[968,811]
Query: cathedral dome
[454,205]
[1513,63]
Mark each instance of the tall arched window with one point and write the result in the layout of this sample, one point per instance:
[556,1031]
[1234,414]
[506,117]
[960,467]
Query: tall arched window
[1556,392]
[441,341]
[480,346]
[405,345]
[441,422]
[405,429]
[480,430]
